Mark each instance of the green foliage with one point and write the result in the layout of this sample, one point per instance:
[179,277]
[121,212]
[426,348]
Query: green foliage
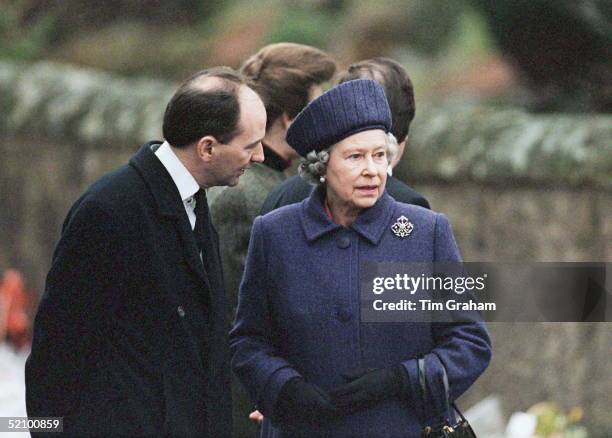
[304,26]
[555,423]
[18,41]
[469,40]
[432,24]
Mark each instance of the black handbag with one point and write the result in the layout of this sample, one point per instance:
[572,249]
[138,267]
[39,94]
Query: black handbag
[447,427]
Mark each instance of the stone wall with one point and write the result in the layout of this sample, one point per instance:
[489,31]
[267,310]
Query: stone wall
[516,187]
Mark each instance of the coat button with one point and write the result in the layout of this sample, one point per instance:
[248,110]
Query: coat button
[180,311]
[343,315]
[343,242]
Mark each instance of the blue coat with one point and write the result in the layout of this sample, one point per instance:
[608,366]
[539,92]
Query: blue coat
[298,314]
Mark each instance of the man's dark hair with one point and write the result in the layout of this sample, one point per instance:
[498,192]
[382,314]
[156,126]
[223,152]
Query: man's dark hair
[398,88]
[199,108]
[283,74]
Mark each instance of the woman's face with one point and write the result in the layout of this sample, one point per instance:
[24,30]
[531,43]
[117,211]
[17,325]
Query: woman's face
[357,170]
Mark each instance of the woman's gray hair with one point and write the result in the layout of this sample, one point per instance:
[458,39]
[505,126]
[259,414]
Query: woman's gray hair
[314,166]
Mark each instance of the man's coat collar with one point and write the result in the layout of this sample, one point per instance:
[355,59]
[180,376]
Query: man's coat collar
[159,181]
[168,201]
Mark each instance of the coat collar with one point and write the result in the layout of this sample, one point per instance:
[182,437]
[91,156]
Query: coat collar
[370,224]
[274,161]
[168,202]
[184,181]
[159,181]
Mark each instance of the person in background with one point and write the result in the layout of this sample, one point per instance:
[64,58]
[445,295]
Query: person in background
[287,76]
[131,334]
[400,95]
[298,342]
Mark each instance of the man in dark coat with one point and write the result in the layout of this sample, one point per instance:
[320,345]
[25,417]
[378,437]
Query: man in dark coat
[400,95]
[131,333]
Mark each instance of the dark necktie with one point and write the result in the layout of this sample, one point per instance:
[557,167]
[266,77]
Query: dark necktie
[206,239]
[200,229]
[216,307]
[204,233]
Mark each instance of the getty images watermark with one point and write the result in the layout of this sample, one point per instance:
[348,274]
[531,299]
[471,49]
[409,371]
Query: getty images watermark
[464,292]
[423,283]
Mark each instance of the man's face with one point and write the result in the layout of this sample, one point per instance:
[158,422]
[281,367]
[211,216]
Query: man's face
[400,151]
[234,158]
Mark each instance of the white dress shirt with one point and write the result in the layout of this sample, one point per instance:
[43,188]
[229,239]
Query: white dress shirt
[185,182]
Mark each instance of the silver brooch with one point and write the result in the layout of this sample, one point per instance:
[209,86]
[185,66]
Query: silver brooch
[403,227]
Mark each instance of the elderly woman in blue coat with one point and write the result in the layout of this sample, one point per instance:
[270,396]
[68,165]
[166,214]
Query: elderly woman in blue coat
[298,343]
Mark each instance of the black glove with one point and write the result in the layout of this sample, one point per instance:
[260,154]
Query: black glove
[369,386]
[300,402]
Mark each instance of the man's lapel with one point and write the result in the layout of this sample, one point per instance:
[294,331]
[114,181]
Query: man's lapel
[169,203]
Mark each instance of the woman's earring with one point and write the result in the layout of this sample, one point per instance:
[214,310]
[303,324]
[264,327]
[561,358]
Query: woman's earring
[322,179]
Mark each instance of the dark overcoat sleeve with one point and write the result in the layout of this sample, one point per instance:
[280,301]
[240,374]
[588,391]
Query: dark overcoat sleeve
[254,357]
[64,372]
[462,350]
[294,189]
[402,192]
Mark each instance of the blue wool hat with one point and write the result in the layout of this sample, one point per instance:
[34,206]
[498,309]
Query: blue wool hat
[340,112]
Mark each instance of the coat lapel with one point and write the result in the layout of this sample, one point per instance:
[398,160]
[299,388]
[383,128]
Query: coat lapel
[190,249]
[370,224]
[315,221]
[168,202]
[373,221]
